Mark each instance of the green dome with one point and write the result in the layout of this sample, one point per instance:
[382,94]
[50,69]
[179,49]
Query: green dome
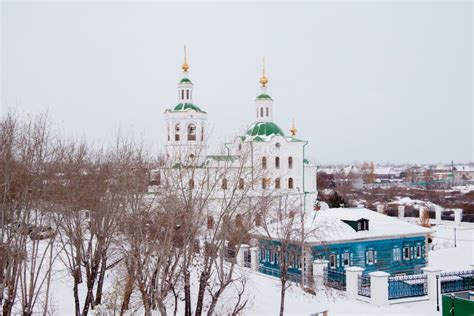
[265,129]
[264,96]
[185,80]
[187,106]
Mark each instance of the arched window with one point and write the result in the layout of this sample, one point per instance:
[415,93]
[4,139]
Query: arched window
[264,162]
[277,183]
[210,222]
[290,162]
[176,132]
[182,94]
[191,184]
[291,214]
[238,221]
[264,183]
[187,94]
[202,133]
[258,219]
[267,112]
[290,183]
[224,184]
[277,162]
[241,183]
[257,112]
[261,111]
[191,132]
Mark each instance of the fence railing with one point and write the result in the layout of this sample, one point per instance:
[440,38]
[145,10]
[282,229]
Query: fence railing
[363,282]
[335,279]
[293,277]
[457,281]
[407,286]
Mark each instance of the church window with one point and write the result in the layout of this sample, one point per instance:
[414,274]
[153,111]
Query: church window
[277,183]
[277,162]
[264,162]
[202,133]
[241,183]
[176,132]
[265,183]
[224,184]
[182,94]
[258,219]
[191,184]
[210,222]
[290,162]
[290,183]
[267,112]
[191,132]
[187,94]
[261,111]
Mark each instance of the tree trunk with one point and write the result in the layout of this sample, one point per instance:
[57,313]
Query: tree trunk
[76,297]
[187,294]
[100,282]
[282,297]
[202,288]
[127,294]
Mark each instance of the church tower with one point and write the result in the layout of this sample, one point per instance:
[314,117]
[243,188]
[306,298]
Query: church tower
[264,102]
[185,125]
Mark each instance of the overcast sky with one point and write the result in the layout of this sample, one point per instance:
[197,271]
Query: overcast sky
[385,82]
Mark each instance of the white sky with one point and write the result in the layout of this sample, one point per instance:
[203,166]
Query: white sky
[387,82]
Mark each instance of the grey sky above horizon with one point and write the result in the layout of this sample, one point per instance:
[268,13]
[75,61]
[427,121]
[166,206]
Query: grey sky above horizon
[364,81]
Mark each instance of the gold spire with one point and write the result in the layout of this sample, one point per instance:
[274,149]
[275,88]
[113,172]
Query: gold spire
[293,129]
[185,65]
[263,80]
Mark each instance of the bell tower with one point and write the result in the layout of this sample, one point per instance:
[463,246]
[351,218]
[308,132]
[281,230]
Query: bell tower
[263,102]
[186,130]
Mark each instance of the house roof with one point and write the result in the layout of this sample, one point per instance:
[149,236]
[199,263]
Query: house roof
[328,226]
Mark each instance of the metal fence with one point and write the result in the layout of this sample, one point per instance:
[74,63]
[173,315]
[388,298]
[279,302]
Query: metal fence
[293,277]
[335,279]
[457,281]
[407,286]
[363,282]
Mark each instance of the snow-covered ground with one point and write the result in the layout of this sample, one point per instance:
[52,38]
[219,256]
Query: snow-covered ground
[264,291]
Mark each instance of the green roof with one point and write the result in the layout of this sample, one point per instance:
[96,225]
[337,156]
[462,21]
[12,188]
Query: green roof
[264,96]
[187,106]
[185,80]
[223,157]
[265,129]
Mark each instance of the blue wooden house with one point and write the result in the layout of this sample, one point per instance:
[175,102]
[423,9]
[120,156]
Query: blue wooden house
[351,237]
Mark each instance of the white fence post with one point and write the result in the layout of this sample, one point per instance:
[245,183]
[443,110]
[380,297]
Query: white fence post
[438,212]
[254,264]
[379,288]
[401,212]
[457,215]
[422,211]
[431,274]
[240,260]
[352,281]
[318,267]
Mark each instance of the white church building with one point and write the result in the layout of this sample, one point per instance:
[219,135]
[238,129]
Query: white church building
[264,157]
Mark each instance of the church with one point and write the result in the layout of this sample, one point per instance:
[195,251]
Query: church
[264,159]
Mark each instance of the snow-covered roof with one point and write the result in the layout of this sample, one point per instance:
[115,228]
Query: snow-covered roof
[380,226]
[328,226]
